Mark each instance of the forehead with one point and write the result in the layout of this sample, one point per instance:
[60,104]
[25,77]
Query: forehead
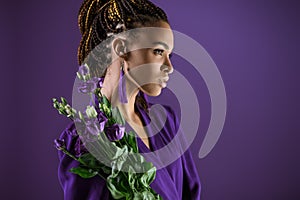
[149,37]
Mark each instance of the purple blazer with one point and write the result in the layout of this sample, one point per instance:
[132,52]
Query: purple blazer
[179,180]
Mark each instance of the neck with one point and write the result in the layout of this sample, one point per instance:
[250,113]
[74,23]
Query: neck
[128,111]
[111,91]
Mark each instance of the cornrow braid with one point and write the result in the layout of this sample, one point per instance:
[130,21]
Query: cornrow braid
[87,13]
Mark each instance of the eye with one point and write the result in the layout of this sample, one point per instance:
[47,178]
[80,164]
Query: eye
[170,55]
[158,52]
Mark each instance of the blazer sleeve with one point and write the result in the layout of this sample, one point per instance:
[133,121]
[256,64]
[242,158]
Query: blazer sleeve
[191,183]
[75,187]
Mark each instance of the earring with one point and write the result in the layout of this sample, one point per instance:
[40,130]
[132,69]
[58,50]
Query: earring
[122,85]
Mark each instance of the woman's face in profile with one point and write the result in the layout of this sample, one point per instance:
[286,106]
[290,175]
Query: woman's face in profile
[148,61]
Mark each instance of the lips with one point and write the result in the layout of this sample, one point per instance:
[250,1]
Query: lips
[163,82]
[165,79]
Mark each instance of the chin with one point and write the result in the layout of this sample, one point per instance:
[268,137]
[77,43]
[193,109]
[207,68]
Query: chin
[152,89]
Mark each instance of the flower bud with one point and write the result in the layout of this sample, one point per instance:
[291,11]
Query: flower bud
[91,112]
[114,132]
[56,105]
[84,70]
[81,116]
[78,76]
[63,101]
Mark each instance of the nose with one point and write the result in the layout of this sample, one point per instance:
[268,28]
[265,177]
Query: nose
[167,66]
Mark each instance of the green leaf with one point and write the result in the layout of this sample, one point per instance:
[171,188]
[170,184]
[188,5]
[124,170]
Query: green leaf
[83,172]
[116,192]
[147,166]
[117,165]
[117,116]
[145,195]
[131,177]
[137,196]
[90,161]
[156,196]
[139,159]
[106,170]
[105,101]
[131,140]
[148,177]
[150,172]
[120,152]
[148,195]
[98,94]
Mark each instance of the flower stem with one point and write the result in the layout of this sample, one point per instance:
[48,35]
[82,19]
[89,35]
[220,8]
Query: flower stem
[72,156]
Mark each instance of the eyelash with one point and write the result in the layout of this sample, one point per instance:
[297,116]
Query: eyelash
[160,52]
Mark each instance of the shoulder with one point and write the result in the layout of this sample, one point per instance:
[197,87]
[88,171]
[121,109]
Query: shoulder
[72,140]
[69,131]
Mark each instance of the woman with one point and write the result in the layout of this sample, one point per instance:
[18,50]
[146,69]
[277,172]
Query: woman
[133,65]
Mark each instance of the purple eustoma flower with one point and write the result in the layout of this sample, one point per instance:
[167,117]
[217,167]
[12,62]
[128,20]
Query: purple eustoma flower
[84,70]
[90,130]
[89,86]
[101,80]
[92,126]
[74,132]
[102,121]
[79,148]
[114,132]
[59,144]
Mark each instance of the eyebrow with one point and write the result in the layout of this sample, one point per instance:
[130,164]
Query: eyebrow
[163,44]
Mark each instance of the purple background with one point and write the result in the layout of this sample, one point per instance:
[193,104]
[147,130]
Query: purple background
[255,45]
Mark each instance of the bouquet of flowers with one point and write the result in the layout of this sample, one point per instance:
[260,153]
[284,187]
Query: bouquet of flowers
[105,148]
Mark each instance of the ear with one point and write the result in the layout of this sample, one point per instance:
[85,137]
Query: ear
[119,47]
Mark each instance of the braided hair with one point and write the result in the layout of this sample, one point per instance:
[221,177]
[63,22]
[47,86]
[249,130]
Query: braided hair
[99,20]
